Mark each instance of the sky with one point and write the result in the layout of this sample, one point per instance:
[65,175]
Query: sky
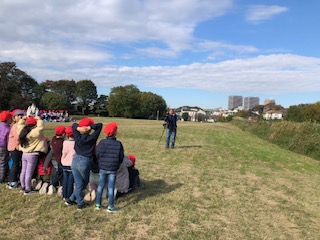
[191,52]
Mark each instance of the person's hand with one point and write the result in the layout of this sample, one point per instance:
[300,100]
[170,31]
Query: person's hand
[24,117]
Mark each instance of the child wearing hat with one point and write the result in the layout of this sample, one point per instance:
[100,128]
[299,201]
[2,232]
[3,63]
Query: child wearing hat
[44,170]
[68,153]
[133,174]
[13,148]
[57,144]
[85,144]
[32,142]
[110,155]
[5,121]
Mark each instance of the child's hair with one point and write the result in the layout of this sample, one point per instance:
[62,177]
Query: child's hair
[23,135]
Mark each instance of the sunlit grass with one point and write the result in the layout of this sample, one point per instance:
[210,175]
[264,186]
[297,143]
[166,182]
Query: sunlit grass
[219,183]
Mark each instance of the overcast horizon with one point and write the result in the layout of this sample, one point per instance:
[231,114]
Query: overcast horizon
[191,52]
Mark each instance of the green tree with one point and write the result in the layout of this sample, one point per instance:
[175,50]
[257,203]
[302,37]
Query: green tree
[53,100]
[185,116]
[86,92]
[295,114]
[66,88]
[13,82]
[124,101]
[242,113]
[150,105]
[311,112]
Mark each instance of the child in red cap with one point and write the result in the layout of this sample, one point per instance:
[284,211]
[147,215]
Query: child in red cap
[57,144]
[110,155]
[32,142]
[85,144]
[5,121]
[133,174]
[68,153]
[13,148]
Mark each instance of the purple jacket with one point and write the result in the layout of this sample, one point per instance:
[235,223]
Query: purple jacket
[4,134]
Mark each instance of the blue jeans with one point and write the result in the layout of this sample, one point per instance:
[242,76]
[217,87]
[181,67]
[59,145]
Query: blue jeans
[81,171]
[172,134]
[111,183]
[68,181]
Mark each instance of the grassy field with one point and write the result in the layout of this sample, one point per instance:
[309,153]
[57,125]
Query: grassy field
[219,183]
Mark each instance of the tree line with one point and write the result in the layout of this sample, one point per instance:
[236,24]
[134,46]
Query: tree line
[304,112]
[19,90]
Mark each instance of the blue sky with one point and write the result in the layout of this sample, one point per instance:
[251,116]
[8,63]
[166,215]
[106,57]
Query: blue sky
[191,52]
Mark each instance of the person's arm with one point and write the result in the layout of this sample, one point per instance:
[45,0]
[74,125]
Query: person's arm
[75,131]
[127,162]
[36,132]
[97,130]
[121,154]
[47,160]
[21,124]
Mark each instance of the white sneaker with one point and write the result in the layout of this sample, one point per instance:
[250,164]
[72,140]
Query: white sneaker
[38,186]
[43,189]
[50,190]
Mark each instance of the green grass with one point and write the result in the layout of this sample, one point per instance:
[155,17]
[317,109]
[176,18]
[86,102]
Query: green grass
[219,183]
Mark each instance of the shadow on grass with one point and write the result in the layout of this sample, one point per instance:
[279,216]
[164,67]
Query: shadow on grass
[150,189]
[190,146]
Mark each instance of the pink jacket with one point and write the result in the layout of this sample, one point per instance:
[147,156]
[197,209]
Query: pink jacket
[13,142]
[67,152]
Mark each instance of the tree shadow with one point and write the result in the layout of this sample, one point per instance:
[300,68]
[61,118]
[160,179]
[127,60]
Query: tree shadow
[150,189]
[190,146]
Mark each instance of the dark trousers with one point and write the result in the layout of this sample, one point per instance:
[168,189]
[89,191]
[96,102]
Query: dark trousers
[3,164]
[58,177]
[16,166]
[68,181]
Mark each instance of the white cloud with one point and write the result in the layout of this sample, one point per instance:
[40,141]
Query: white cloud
[34,30]
[258,13]
[270,74]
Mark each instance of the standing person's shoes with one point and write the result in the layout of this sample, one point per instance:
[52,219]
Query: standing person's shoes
[39,185]
[50,190]
[111,209]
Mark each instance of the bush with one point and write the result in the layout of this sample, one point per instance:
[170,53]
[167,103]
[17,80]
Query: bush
[302,138]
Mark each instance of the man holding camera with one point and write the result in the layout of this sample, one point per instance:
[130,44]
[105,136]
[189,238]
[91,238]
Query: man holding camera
[171,125]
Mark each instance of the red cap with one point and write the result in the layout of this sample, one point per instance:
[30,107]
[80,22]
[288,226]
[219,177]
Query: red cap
[86,122]
[133,159]
[60,130]
[110,129]
[31,121]
[5,116]
[69,131]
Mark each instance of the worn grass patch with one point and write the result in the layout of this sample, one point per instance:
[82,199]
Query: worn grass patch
[219,183]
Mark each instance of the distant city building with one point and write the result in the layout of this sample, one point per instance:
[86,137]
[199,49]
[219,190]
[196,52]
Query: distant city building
[251,102]
[269,101]
[234,102]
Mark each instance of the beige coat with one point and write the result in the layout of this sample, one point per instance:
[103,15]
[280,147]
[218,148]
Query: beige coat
[122,181]
[37,142]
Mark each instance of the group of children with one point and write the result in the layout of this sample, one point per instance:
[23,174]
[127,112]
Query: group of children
[79,161]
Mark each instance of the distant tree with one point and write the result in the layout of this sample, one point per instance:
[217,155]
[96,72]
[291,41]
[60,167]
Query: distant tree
[150,104]
[53,100]
[124,101]
[311,112]
[185,116]
[86,92]
[201,117]
[37,94]
[15,86]
[66,88]
[242,113]
[295,114]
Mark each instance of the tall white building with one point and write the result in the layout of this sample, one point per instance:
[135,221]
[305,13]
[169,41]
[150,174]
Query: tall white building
[250,102]
[234,102]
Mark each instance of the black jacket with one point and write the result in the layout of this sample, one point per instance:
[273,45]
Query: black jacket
[110,154]
[86,143]
[171,121]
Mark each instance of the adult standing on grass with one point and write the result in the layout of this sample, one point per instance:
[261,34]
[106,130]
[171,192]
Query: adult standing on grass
[5,121]
[32,110]
[32,142]
[171,124]
[13,148]
[85,144]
